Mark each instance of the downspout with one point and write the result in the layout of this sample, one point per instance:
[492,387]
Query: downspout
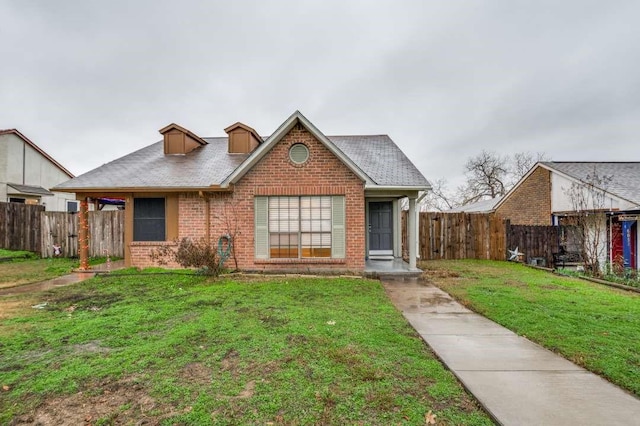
[207,217]
[208,220]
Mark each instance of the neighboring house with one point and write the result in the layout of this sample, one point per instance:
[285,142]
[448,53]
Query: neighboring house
[542,197]
[27,173]
[297,200]
[482,206]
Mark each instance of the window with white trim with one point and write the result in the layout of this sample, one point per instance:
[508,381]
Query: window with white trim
[300,227]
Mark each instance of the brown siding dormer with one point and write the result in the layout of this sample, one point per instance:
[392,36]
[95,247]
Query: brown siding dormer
[242,138]
[178,140]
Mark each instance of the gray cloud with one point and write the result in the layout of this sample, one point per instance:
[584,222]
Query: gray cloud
[91,81]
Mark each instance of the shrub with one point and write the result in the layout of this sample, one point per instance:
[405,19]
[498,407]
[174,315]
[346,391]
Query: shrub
[198,254]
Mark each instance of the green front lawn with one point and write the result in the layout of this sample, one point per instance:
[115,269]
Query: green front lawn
[181,349]
[592,325]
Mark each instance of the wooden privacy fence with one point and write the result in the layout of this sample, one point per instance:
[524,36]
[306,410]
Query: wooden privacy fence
[106,233]
[481,236]
[27,227]
[536,243]
[461,236]
[20,226]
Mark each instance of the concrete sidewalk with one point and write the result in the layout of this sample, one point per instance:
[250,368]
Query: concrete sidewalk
[516,381]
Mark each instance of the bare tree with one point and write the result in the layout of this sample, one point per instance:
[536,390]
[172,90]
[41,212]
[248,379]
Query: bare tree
[521,162]
[438,198]
[487,175]
[589,200]
[490,175]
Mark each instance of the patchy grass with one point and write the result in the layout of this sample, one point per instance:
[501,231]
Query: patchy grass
[179,349]
[16,254]
[26,267]
[592,325]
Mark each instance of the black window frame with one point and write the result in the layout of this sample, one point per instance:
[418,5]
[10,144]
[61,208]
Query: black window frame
[149,219]
[75,204]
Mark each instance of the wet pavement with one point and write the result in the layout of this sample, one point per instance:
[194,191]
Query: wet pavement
[62,281]
[517,381]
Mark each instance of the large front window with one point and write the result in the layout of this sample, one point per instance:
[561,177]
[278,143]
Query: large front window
[300,227]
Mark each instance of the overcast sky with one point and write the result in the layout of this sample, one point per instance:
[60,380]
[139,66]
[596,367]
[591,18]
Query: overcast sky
[90,81]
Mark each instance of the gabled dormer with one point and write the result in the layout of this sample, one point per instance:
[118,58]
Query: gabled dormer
[242,139]
[178,140]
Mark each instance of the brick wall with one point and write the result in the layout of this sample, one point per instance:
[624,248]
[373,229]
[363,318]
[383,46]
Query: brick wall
[275,174]
[530,203]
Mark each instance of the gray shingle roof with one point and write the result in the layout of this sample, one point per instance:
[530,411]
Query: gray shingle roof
[29,189]
[482,206]
[625,176]
[381,159]
[150,167]
[377,156]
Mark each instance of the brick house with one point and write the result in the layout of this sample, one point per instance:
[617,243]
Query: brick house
[294,201]
[542,197]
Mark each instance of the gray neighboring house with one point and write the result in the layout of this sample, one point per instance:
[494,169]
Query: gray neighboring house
[27,173]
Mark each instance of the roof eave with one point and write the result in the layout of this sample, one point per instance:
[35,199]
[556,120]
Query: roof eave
[158,189]
[397,187]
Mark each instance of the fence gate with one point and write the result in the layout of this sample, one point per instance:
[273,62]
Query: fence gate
[60,229]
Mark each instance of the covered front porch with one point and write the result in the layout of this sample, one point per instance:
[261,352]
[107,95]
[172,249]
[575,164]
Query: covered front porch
[395,267]
[383,221]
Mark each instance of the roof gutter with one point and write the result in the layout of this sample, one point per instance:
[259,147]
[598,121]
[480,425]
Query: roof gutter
[146,189]
[398,188]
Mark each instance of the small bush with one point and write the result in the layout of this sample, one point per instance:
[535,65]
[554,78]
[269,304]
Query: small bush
[190,254]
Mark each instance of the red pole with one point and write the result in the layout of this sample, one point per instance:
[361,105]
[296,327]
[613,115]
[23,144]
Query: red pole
[83,234]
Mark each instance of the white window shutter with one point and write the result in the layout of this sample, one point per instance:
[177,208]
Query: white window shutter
[338,219]
[261,215]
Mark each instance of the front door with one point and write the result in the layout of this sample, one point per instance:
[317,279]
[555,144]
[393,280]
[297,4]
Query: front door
[381,228]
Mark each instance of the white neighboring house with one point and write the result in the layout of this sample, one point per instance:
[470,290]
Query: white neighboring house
[27,173]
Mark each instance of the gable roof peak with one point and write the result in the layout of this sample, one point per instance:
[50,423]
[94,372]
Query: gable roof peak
[296,118]
[37,148]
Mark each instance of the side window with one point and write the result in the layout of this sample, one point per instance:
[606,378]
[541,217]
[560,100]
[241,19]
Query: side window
[72,206]
[149,219]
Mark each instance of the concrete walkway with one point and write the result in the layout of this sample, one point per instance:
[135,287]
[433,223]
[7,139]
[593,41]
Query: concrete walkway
[518,382]
[65,280]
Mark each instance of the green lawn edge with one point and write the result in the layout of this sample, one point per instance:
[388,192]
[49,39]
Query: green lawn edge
[595,326]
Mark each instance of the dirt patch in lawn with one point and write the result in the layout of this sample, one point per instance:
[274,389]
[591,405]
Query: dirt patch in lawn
[122,402]
[196,372]
[10,308]
[439,273]
[230,361]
